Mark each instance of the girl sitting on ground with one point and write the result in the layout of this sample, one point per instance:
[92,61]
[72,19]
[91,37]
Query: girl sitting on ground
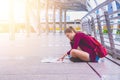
[82,48]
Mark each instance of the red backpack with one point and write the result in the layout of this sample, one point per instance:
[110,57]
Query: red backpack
[100,49]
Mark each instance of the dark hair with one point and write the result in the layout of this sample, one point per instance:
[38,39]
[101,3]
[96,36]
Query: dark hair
[70,30]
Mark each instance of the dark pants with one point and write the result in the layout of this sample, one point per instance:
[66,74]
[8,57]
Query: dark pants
[76,59]
[79,60]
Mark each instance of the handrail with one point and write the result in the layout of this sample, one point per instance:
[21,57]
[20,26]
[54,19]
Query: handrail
[98,21]
[99,6]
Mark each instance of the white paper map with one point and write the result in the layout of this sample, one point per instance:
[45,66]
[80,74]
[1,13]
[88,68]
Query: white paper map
[54,60]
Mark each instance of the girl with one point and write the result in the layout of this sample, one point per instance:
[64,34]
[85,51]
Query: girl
[82,49]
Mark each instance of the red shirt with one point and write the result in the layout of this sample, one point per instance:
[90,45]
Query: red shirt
[84,42]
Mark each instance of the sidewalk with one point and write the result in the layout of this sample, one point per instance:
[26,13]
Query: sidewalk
[21,60]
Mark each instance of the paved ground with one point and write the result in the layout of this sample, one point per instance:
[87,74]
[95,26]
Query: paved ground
[21,60]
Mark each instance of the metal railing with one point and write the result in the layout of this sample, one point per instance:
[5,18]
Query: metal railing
[104,26]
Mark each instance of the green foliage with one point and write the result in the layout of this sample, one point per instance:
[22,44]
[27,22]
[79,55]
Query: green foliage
[105,31]
[118,32]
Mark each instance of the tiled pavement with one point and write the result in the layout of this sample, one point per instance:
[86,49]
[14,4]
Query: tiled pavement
[21,60]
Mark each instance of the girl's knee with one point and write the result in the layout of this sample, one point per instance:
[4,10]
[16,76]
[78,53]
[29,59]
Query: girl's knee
[73,52]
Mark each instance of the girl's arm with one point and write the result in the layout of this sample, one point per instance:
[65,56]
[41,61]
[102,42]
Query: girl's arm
[62,58]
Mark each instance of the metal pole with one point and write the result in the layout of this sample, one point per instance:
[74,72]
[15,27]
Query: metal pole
[54,18]
[89,24]
[93,27]
[47,26]
[112,45]
[27,19]
[65,19]
[38,16]
[82,26]
[60,23]
[96,2]
[11,21]
[114,7]
[100,29]
[85,26]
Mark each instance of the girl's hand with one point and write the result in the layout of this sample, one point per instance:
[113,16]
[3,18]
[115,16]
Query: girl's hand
[61,59]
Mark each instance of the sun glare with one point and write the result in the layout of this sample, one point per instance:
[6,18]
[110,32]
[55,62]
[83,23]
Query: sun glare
[19,10]
[4,12]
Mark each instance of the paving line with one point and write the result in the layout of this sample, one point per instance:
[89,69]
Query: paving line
[95,71]
[112,61]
